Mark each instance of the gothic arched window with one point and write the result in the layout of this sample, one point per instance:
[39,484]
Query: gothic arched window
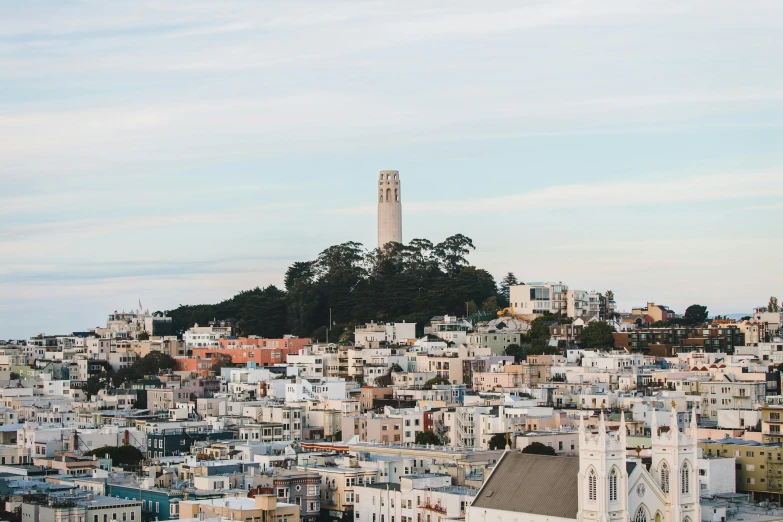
[665,477]
[613,485]
[686,479]
[592,483]
[641,515]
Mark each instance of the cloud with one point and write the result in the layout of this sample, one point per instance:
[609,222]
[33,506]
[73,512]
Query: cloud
[602,195]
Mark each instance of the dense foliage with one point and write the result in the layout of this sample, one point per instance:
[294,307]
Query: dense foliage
[537,448]
[412,282]
[122,456]
[428,437]
[498,441]
[598,335]
[151,364]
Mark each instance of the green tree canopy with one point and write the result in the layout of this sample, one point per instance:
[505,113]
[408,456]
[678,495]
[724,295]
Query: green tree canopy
[121,456]
[695,315]
[517,352]
[537,448]
[435,381]
[428,437]
[143,336]
[539,333]
[497,441]
[773,305]
[505,287]
[598,335]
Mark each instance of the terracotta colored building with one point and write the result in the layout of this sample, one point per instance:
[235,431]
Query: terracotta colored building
[264,352]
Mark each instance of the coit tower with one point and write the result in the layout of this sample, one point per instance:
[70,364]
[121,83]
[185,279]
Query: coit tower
[389,208]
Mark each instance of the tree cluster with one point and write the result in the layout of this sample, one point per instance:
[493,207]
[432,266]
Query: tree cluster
[348,285]
[121,456]
[151,364]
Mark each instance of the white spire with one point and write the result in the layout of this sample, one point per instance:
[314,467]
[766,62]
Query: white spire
[674,427]
[654,423]
[623,432]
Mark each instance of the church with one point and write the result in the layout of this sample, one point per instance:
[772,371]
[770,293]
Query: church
[603,484]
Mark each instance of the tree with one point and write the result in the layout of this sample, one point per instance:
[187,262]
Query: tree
[517,352]
[396,368]
[498,441]
[121,456]
[425,438]
[490,304]
[435,381]
[505,286]
[471,307]
[143,336]
[221,360]
[609,295]
[598,334]
[773,305]
[537,448]
[695,315]
[154,363]
[451,253]
[539,334]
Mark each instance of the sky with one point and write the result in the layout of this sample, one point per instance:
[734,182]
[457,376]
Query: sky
[176,152]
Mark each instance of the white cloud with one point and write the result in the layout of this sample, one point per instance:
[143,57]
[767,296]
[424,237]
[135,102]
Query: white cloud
[602,195]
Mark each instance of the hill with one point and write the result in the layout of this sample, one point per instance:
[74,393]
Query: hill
[412,282]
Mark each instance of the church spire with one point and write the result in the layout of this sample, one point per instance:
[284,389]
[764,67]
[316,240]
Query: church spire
[654,423]
[623,431]
[674,426]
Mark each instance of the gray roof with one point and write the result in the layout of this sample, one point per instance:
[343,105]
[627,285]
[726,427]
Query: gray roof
[537,484]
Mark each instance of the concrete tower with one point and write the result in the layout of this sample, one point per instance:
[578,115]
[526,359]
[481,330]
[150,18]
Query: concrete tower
[389,208]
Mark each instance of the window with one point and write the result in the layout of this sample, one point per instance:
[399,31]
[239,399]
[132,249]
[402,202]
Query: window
[686,479]
[613,485]
[665,477]
[641,515]
[592,485]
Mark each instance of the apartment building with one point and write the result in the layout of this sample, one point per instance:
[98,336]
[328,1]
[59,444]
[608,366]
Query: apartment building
[299,488]
[338,488]
[82,507]
[390,333]
[583,304]
[759,466]
[262,507]
[451,329]
[535,299]
[726,395]
[424,497]
[673,340]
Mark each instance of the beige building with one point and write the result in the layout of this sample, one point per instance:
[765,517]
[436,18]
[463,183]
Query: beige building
[262,507]
[447,367]
[373,428]
[338,488]
[166,398]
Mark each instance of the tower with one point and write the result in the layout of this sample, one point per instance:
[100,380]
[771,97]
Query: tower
[675,468]
[389,208]
[603,477]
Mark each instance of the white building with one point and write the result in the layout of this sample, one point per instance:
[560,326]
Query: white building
[392,333]
[581,303]
[534,299]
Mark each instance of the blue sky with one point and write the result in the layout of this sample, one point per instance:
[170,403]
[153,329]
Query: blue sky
[178,152]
